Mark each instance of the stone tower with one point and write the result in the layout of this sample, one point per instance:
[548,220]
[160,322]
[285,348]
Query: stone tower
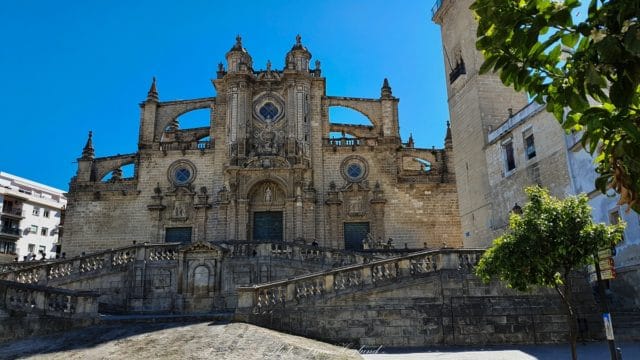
[477,104]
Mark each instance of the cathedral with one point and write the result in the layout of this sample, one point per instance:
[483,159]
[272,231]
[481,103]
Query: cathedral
[267,168]
[278,216]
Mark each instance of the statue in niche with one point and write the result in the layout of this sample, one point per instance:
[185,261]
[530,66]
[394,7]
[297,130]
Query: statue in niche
[268,196]
[355,205]
[179,210]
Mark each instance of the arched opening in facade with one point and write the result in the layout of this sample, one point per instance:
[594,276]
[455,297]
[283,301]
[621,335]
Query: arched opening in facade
[194,119]
[267,212]
[122,173]
[345,115]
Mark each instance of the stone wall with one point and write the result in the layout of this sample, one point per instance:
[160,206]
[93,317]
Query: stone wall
[422,299]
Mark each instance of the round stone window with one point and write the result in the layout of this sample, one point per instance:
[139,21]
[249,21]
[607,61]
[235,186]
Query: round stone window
[269,111]
[354,169]
[181,172]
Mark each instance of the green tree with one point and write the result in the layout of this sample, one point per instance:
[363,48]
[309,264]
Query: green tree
[545,244]
[587,72]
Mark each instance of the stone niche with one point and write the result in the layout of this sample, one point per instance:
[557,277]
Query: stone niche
[201,277]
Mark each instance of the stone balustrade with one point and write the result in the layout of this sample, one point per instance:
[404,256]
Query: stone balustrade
[114,260]
[297,252]
[41,300]
[263,299]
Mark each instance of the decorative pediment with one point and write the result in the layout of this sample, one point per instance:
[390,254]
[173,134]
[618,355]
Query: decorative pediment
[203,246]
[180,203]
[355,198]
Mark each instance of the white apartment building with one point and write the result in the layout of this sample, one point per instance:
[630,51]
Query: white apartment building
[30,215]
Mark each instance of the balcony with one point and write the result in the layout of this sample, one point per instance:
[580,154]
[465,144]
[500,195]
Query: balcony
[12,213]
[11,233]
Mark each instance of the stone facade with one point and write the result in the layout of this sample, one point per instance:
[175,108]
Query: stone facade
[543,162]
[267,169]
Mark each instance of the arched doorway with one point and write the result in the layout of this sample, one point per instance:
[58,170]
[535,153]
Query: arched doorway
[266,212]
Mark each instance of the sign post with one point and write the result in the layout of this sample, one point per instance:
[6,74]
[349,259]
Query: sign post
[604,307]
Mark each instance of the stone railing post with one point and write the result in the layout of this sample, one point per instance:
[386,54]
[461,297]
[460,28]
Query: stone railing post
[448,260]
[365,271]
[263,249]
[141,255]
[246,298]
[86,306]
[328,283]
[291,292]
[404,267]
[75,265]
[40,297]
[42,275]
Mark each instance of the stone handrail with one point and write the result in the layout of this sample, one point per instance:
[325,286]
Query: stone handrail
[87,265]
[264,298]
[297,252]
[42,300]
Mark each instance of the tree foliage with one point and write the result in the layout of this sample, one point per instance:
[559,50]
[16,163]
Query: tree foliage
[551,238]
[587,72]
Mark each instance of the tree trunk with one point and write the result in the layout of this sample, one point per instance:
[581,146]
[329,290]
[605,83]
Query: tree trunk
[566,296]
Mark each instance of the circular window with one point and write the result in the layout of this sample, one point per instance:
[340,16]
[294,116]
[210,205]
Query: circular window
[181,172]
[182,175]
[354,171]
[269,111]
[354,168]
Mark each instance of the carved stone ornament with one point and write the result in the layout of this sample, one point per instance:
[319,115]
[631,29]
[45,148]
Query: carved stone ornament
[355,199]
[202,246]
[267,141]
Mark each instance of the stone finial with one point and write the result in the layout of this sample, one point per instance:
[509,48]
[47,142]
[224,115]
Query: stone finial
[220,73]
[410,143]
[298,45]
[317,64]
[385,91]
[269,65]
[238,45]
[447,137]
[88,152]
[153,91]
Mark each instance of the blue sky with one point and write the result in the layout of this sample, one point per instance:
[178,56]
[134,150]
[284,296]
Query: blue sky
[67,67]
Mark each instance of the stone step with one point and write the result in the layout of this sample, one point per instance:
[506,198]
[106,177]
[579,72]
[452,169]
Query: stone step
[216,317]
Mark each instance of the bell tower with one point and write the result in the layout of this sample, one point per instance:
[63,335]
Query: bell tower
[477,104]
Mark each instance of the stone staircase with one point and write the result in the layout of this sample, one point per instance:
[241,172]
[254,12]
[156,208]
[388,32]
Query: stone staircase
[427,298]
[118,260]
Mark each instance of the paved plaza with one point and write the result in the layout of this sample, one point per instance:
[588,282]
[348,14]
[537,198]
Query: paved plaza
[589,351]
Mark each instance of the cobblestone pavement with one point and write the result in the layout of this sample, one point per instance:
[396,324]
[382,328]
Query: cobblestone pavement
[173,341]
[590,351]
